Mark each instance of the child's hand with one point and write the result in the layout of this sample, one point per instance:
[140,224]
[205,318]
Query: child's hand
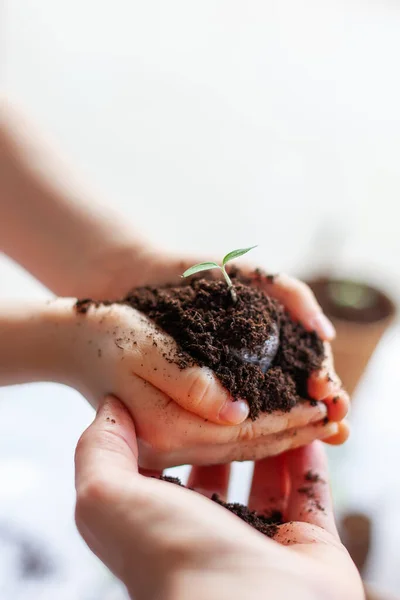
[113,275]
[182,416]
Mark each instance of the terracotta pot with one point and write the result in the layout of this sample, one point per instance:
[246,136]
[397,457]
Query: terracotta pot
[360,314]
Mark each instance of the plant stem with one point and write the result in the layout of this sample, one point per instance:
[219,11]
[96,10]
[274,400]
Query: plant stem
[230,285]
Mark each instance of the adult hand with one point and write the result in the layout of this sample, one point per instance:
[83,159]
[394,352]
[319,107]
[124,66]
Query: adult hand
[167,542]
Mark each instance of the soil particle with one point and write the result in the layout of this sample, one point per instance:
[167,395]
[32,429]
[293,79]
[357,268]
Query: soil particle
[312,477]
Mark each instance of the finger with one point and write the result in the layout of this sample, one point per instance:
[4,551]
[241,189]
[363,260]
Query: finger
[341,436]
[337,405]
[269,487]
[310,498]
[324,382]
[107,448]
[209,480]
[258,449]
[177,429]
[300,302]
[194,388]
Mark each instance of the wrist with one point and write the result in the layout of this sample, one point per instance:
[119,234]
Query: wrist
[112,271]
[37,342]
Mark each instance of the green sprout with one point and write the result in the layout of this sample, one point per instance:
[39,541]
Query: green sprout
[207,266]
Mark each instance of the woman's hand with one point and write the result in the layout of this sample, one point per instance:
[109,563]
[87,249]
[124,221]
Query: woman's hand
[167,542]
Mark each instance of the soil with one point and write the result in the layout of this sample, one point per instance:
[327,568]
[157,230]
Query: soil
[253,346]
[369,304]
[312,477]
[309,492]
[266,524]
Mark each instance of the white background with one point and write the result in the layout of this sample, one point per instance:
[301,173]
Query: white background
[213,125]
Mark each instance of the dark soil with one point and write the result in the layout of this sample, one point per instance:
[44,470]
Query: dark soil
[253,346]
[309,492]
[312,477]
[266,524]
[175,480]
[369,304]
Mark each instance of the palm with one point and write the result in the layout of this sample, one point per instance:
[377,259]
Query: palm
[296,483]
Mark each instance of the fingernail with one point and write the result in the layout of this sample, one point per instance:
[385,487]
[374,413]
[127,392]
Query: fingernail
[322,412]
[234,411]
[330,429]
[323,326]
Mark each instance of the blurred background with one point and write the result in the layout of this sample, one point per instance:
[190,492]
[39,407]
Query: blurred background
[211,126]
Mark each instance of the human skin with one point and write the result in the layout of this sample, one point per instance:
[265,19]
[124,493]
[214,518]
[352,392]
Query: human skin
[78,248]
[165,542]
[181,416]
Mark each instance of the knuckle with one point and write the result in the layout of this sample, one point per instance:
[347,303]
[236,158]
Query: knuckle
[247,432]
[199,389]
[91,498]
[97,488]
[94,492]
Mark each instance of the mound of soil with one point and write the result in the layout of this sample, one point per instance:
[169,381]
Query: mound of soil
[253,346]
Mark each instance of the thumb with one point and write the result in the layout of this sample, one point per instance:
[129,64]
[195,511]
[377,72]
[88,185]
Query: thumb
[106,465]
[195,388]
[108,447]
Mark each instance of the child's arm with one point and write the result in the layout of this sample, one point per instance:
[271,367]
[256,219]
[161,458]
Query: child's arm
[77,248]
[37,341]
[110,350]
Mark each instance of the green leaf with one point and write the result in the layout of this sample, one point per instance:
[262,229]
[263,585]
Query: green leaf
[206,266]
[236,254]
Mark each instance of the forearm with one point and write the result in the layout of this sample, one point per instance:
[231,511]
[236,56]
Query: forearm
[37,342]
[47,223]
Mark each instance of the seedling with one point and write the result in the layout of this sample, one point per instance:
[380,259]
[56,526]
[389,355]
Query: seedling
[207,266]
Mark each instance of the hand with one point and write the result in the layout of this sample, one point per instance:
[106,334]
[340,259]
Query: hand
[129,267]
[166,542]
[181,416]
[76,248]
